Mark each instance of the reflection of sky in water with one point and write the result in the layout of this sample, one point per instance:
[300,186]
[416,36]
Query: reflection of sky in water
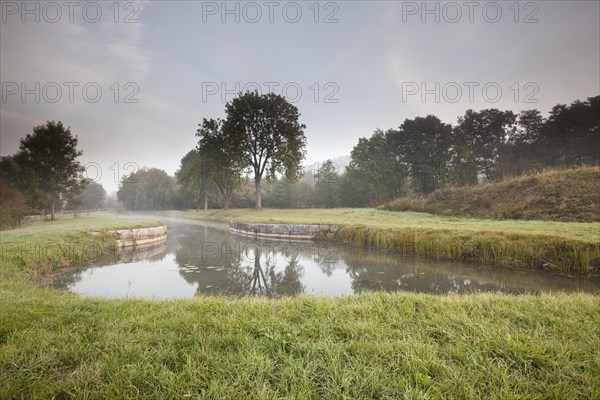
[198,260]
[156,279]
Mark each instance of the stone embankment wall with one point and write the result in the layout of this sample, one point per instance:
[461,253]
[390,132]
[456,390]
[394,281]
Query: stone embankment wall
[140,237]
[280,231]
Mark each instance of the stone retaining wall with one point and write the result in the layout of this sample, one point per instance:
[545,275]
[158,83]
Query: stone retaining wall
[141,236]
[280,231]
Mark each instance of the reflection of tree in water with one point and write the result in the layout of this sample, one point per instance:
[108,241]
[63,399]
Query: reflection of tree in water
[221,264]
[267,282]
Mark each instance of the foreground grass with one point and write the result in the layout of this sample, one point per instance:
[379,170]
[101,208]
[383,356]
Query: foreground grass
[369,346]
[566,246]
[57,345]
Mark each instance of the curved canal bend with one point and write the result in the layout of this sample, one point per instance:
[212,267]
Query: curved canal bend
[206,259]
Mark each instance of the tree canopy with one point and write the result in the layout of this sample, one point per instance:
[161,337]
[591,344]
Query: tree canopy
[264,131]
[147,189]
[46,169]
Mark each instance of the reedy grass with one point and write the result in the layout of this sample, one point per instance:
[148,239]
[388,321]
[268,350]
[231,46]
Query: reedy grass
[490,248]
[375,218]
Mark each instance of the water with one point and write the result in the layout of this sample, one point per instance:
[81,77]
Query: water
[205,259]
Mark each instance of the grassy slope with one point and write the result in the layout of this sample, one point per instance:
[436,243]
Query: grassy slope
[566,246]
[57,345]
[556,195]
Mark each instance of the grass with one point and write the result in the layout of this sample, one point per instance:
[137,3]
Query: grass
[553,195]
[369,346]
[565,246]
[43,246]
[378,345]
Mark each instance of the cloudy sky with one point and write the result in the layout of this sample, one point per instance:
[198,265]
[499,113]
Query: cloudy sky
[133,79]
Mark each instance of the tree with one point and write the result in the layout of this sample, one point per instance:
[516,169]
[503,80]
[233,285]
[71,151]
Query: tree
[128,190]
[47,165]
[571,134]
[92,197]
[480,136]
[327,185]
[223,161]
[424,145]
[155,190]
[147,189]
[376,169]
[523,149]
[264,131]
[193,178]
[13,206]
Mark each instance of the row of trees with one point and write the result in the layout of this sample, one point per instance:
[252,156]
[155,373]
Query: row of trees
[262,138]
[421,155]
[426,154]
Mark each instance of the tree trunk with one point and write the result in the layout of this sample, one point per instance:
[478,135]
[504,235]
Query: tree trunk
[258,197]
[226,202]
[205,201]
[52,212]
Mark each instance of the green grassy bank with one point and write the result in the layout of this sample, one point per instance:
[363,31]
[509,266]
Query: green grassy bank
[58,345]
[565,246]
[41,247]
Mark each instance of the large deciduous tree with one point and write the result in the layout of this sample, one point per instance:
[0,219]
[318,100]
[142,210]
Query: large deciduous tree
[92,197]
[265,132]
[376,170]
[326,187]
[47,166]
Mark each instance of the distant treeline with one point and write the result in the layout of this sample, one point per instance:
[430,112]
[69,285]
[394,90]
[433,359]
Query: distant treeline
[420,156]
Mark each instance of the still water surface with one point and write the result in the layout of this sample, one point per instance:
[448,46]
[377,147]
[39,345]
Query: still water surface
[205,259]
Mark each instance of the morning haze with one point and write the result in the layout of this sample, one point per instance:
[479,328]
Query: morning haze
[299,199]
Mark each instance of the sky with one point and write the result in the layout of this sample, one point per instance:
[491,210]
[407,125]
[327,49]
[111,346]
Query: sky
[134,79]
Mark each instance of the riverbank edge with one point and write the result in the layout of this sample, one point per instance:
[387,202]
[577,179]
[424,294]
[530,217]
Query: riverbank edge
[33,260]
[506,250]
[140,237]
[281,231]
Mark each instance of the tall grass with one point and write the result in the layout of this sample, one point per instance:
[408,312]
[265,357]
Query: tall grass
[515,251]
